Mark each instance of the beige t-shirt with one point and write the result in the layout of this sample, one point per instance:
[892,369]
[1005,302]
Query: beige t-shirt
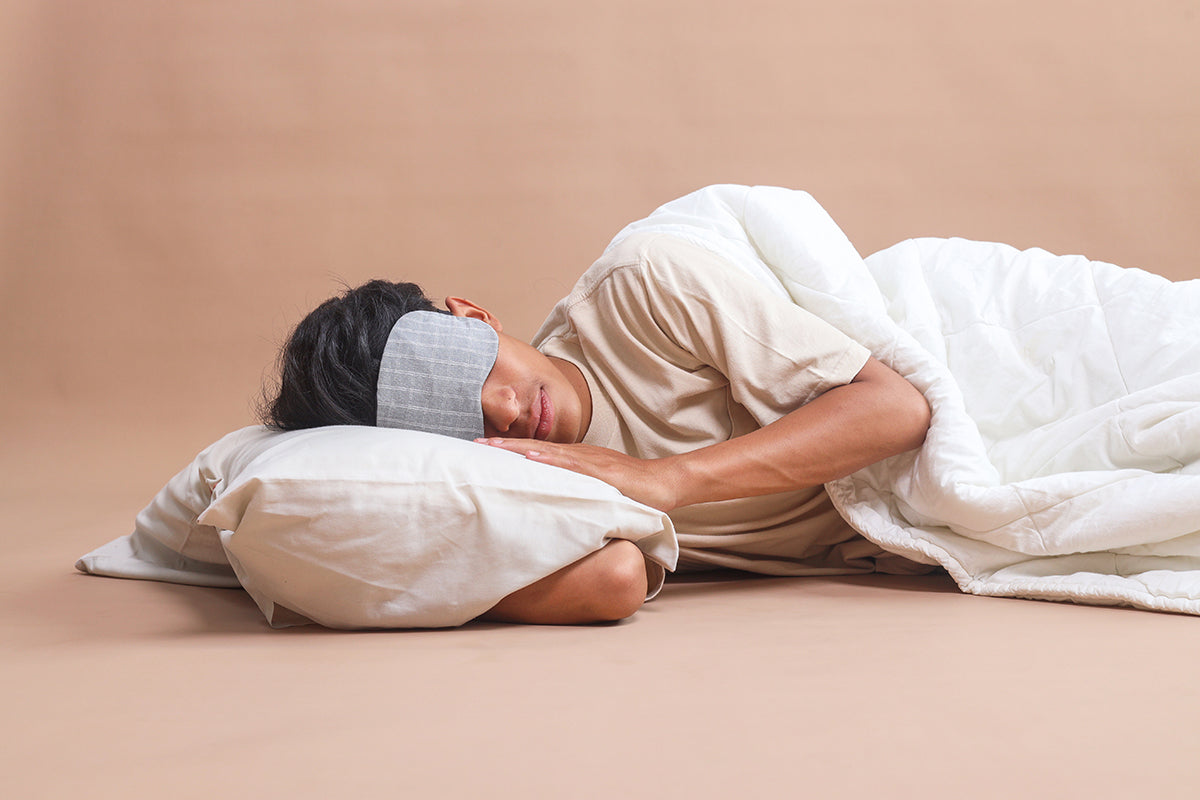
[681,350]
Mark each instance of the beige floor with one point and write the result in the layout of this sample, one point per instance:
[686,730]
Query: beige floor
[179,181]
[750,687]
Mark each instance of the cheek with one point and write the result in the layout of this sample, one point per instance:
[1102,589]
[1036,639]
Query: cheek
[567,415]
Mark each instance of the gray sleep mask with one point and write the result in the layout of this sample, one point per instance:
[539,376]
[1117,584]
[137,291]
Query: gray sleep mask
[432,373]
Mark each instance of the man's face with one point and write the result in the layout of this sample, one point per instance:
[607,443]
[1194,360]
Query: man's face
[527,396]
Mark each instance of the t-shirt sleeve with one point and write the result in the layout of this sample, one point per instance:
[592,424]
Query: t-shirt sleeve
[776,355]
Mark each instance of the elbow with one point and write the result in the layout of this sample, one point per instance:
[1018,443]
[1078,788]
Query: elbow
[901,411]
[914,418]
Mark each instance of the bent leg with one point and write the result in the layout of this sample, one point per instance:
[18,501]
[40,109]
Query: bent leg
[603,586]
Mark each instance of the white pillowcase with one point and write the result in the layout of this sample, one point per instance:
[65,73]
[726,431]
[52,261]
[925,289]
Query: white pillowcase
[355,527]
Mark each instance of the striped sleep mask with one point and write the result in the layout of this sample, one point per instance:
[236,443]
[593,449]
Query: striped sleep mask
[432,372]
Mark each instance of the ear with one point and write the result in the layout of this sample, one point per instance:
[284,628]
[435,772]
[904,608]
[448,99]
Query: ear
[461,307]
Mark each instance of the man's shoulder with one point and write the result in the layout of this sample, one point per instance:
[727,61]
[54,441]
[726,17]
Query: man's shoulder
[654,247]
[650,257]
[649,271]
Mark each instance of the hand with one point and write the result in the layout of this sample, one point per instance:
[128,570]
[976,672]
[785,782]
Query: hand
[650,481]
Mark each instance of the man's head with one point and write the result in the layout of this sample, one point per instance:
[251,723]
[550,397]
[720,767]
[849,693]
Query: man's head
[329,365]
[330,371]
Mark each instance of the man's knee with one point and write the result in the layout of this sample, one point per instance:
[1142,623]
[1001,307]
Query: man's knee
[623,581]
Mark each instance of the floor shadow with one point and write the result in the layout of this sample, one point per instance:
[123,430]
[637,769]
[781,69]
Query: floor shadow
[731,581]
[72,606]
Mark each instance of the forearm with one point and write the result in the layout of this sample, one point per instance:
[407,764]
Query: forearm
[876,416]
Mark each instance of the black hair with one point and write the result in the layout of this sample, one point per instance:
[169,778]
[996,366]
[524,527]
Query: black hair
[329,365]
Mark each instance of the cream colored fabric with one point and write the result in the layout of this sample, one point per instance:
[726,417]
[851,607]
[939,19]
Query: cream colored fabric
[681,350]
[361,527]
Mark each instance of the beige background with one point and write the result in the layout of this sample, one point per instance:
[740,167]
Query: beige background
[180,181]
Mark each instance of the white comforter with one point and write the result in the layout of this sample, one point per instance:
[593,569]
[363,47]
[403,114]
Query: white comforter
[1064,457]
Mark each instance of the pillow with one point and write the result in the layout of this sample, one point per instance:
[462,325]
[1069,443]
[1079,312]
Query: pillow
[355,527]
[167,543]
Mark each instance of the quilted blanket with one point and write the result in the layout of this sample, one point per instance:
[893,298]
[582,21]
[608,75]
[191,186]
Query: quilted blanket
[1063,461]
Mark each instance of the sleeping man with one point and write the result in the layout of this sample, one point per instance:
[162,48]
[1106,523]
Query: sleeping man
[665,373]
[1028,422]
[761,397]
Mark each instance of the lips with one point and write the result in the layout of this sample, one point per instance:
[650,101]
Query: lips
[545,416]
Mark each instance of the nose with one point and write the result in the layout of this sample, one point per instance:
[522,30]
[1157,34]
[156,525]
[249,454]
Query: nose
[500,410]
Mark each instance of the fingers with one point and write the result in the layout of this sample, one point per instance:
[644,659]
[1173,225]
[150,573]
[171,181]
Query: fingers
[636,478]
[525,446]
[578,458]
[531,449]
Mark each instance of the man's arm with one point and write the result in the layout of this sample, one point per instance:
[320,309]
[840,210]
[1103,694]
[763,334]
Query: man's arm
[877,415]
